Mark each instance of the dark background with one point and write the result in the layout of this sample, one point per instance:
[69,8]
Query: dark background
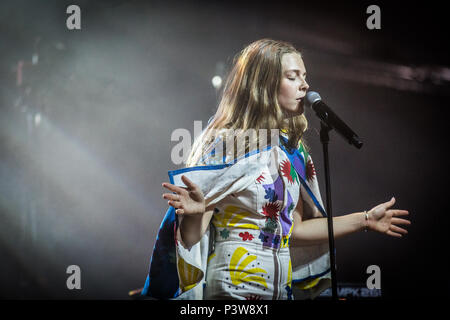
[85,138]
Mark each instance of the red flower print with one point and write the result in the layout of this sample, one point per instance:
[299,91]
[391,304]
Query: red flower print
[260,178]
[286,170]
[246,236]
[270,210]
[310,170]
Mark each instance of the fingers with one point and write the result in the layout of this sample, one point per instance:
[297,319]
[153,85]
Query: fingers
[390,203]
[188,182]
[174,200]
[172,187]
[398,230]
[394,234]
[171,196]
[397,213]
[395,231]
[175,204]
[400,221]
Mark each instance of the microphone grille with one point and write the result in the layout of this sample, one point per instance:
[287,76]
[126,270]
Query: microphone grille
[311,98]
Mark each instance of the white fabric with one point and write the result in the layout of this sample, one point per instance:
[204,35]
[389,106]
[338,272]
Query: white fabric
[240,193]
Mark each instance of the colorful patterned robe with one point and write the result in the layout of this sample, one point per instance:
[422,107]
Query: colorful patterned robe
[245,253]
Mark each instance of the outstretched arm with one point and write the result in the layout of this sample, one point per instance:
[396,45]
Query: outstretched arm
[380,219]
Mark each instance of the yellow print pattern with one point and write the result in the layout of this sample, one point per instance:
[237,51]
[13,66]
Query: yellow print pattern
[285,239]
[238,274]
[231,216]
[289,277]
[188,274]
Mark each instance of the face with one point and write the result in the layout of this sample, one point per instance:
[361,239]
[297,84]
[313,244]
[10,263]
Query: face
[293,84]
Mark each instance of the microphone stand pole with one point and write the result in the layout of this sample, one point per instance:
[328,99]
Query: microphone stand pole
[324,138]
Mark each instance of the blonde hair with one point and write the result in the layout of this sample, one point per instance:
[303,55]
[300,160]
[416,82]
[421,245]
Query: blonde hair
[250,98]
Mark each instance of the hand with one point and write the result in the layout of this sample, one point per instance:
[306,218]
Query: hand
[188,200]
[384,220]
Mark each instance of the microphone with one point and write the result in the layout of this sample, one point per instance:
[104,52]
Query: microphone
[328,117]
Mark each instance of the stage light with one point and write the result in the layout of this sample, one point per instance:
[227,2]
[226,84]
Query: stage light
[216,82]
[35,59]
[37,119]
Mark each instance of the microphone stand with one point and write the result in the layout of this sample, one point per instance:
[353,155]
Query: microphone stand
[324,138]
[330,121]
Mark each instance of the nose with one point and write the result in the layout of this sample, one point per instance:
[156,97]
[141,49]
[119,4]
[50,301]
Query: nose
[304,86]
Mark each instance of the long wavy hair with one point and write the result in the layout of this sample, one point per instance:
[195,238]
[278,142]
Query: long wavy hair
[250,98]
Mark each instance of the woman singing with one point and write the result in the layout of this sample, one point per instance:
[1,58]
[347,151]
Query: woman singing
[246,219]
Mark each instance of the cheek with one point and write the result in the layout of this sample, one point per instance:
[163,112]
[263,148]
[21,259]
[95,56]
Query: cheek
[286,90]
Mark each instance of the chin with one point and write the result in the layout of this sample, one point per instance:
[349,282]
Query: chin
[293,113]
[294,110]
[298,110]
